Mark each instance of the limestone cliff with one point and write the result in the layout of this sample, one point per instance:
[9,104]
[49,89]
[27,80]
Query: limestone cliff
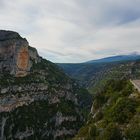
[15,54]
[37,100]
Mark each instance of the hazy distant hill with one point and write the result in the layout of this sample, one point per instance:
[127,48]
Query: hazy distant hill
[91,74]
[116,58]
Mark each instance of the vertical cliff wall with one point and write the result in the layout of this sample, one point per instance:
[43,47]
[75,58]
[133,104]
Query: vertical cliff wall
[37,100]
[15,54]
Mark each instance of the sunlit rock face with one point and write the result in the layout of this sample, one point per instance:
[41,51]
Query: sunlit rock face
[15,54]
[22,61]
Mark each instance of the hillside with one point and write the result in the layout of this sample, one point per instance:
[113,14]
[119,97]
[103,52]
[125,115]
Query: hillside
[94,75]
[115,113]
[37,100]
[118,58]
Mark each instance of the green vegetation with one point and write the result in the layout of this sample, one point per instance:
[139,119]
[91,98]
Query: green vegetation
[111,132]
[115,113]
[53,72]
[61,96]
[122,111]
[50,72]
[133,130]
[95,75]
[33,116]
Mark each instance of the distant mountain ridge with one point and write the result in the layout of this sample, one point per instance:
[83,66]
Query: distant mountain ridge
[92,73]
[116,58]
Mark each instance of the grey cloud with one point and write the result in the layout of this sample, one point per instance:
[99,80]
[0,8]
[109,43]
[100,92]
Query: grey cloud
[75,30]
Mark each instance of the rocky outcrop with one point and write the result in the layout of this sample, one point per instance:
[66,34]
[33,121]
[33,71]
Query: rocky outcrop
[37,100]
[47,111]
[16,57]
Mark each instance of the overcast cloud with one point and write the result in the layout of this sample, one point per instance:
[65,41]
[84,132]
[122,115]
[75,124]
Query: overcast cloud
[75,30]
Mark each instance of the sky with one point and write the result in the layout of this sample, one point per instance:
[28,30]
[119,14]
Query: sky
[74,31]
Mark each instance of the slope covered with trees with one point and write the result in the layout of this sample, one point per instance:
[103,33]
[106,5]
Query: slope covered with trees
[93,76]
[115,113]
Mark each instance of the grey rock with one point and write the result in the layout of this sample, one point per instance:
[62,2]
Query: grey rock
[16,57]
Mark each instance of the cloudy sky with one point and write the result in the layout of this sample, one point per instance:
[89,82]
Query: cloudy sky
[75,30]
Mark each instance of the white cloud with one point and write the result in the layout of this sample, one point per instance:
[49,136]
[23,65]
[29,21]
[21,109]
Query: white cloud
[75,30]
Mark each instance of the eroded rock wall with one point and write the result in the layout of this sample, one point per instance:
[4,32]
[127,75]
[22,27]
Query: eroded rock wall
[15,54]
[39,102]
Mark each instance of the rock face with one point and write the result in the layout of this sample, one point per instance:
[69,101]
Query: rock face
[37,100]
[15,54]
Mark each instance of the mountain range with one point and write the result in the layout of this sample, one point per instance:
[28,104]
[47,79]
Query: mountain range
[93,74]
[118,58]
[40,100]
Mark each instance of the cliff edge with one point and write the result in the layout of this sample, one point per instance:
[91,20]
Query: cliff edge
[16,57]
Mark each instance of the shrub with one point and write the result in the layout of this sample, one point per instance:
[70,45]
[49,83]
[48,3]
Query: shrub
[128,89]
[92,132]
[123,110]
[112,132]
[133,130]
